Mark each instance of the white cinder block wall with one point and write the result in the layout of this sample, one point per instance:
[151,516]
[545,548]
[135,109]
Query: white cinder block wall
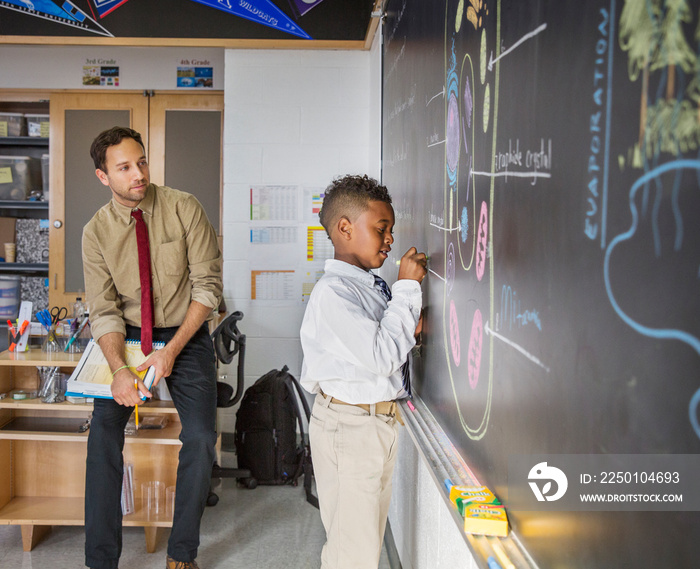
[296,118]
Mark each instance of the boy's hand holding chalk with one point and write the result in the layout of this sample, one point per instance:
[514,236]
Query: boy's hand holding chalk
[414,265]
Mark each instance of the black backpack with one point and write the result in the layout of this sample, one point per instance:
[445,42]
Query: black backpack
[266,432]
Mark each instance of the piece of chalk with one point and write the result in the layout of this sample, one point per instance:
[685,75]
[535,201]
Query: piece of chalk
[493,564]
[399,261]
[501,554]
[448,484]
[410,406]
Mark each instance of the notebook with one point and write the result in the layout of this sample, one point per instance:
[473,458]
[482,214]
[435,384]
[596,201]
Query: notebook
[92,376]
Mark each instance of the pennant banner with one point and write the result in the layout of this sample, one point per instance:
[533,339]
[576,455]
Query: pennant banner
[59,11]
[301,7]
[260,11]
[104,7]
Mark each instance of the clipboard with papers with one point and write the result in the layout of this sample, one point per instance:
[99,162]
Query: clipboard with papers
[92,377]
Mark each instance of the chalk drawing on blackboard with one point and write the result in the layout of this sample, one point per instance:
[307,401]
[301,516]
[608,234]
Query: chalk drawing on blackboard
[693,412]
[476,12]
[482,240]
[459,16]
[659,330]
[534,359]
[469,207]
[464,224]
[463,318]
[476,340]
[58,11]
[454,334]
[453,137]
[452,120]
[467,80]
[482,57]
[526,37]
[652,35]
[450,268]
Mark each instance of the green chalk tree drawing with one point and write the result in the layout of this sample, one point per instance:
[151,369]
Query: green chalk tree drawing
[653,35]
[639,36]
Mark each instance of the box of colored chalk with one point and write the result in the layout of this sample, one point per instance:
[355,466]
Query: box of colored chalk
[486,519]
[462,496]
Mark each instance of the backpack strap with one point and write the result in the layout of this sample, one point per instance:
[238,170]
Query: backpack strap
[305,466]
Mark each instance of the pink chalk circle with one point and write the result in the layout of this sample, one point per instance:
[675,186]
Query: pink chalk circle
[475,347]
[452,132]
[482,241]
[454,334]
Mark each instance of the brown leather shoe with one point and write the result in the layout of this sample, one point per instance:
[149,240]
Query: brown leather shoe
[170,563]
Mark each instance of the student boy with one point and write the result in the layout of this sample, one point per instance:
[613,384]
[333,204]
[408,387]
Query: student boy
[152,272]
[356,336]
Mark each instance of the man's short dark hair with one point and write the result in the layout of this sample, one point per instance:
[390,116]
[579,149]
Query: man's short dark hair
[349,197]
[111,137]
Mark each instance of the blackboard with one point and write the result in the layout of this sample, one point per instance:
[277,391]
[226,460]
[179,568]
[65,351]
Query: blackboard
[545,155]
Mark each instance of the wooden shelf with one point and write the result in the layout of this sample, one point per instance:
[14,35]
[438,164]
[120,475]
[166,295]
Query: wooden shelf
[26,510]
[167,436]
[35,357]
[165,407]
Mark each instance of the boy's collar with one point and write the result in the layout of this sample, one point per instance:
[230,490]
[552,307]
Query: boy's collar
[343,268]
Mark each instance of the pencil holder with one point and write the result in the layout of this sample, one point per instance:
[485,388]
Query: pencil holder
[78,336]
[52,385]
[51,344]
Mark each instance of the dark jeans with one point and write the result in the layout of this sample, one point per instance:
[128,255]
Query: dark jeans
[192,386]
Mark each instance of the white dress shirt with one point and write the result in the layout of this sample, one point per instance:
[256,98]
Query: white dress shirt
[354,342]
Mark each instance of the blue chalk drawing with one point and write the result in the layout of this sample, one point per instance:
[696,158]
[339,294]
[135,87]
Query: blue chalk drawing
[658,333]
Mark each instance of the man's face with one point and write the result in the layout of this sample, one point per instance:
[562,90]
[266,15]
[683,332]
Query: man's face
[126,172]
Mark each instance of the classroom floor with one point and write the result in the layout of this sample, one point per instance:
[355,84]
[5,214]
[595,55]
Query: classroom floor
[267,528]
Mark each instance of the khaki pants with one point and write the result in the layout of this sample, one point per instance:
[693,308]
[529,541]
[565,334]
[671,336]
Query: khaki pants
[353,454]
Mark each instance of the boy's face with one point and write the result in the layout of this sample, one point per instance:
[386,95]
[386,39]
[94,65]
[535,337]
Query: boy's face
[366,242]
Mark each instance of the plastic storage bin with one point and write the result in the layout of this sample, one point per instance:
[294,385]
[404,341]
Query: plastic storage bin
[9,297]
[12,124]
[37,125]
[18,175]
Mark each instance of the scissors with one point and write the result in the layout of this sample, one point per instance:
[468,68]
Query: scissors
[58,314]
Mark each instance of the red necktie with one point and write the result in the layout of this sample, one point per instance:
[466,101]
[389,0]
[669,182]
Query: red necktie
[145,274]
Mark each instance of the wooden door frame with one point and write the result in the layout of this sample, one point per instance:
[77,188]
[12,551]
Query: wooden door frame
[163,101]
[60,102]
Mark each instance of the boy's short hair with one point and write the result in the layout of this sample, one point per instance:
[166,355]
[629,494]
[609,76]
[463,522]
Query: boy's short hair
[349,197]
[111,137]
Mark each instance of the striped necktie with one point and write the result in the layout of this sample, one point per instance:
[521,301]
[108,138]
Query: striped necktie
[380,283]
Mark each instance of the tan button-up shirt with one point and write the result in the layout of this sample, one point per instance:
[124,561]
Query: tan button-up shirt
[185,261]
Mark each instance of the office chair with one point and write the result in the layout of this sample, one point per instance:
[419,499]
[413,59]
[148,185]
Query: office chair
[229,341]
